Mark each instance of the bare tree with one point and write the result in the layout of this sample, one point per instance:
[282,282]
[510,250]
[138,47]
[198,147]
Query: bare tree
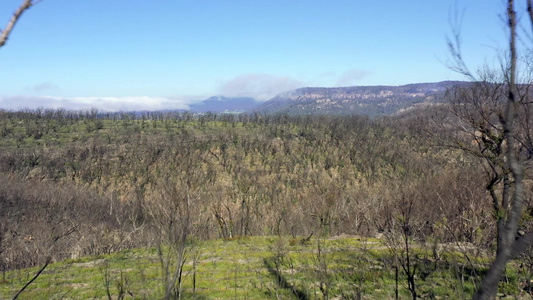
[489,286]
[173,219]
[493,111]
[400,242]
[4,33]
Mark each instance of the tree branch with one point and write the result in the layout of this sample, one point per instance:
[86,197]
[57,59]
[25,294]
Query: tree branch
[34,277]
[454,46]
[530,11]
[48,260]
[5,33]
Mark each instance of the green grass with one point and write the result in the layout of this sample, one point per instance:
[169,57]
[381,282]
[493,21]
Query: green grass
[255,268]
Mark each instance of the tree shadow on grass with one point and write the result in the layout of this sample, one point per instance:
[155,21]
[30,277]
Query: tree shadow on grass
[282,281]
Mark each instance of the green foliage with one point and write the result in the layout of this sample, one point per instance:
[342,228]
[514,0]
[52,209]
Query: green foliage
[253,268]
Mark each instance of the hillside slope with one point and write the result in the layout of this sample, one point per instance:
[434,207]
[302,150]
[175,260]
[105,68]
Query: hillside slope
[365,100]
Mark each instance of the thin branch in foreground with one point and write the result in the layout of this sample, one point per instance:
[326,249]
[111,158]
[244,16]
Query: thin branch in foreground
[9,27]
[454,46]
[34,277]
[530,11]
[48,260]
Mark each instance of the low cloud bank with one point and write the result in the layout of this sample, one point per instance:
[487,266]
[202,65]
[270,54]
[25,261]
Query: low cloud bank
[111,104]
[261,87]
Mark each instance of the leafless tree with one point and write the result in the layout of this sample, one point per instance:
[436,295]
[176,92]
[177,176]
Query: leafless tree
[496,131]
[173,220]
[400,241]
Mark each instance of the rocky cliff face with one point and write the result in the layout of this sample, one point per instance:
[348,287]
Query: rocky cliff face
[367,100]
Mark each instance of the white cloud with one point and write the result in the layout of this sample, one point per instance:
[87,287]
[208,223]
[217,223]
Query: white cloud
[262,87]
[111,104]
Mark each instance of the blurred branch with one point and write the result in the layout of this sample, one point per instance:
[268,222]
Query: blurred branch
[48,260]
[454,46]
[9,27]
[530,11]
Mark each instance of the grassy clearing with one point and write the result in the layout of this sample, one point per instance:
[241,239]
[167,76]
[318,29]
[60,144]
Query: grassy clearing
[258,268]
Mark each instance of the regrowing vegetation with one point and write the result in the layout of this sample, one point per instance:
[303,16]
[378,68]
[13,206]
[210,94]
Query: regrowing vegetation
[433,203]
[248,206]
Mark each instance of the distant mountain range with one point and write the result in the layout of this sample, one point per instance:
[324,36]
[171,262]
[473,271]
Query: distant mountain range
[219,104]
[365,100]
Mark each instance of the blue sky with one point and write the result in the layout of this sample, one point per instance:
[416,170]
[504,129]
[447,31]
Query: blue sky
[163,54]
